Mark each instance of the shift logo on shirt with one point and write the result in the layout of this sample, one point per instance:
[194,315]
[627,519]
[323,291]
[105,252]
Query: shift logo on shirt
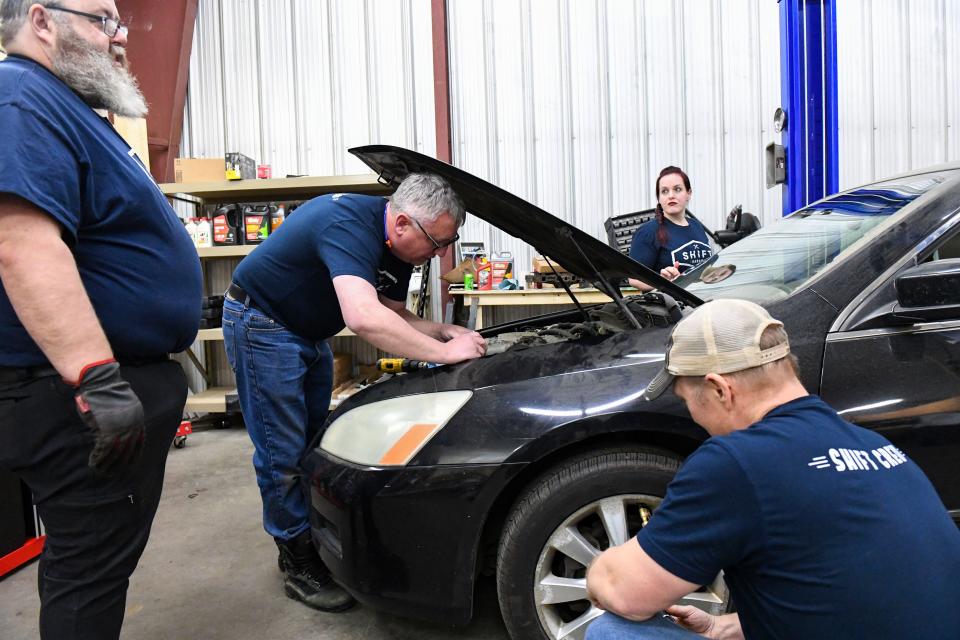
[691,254]
[842,459]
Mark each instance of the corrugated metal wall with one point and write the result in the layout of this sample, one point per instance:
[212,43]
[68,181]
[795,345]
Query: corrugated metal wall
[576,106]
[898,89]
[295,83]
[573,105]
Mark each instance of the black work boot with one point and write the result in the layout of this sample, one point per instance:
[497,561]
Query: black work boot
[307,579]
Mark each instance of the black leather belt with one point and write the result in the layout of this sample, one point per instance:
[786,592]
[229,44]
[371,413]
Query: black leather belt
[236,292]
[20,374]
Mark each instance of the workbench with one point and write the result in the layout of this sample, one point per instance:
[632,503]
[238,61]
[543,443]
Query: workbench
[475,300]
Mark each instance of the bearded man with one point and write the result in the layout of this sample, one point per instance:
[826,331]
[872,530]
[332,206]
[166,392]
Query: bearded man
[100,282]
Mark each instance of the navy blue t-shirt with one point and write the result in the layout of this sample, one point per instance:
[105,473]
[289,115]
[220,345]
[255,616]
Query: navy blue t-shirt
[688,245]
[135,259]
[290,276]
[823,529]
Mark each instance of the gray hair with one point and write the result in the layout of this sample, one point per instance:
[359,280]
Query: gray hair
[13,13]
[426,197]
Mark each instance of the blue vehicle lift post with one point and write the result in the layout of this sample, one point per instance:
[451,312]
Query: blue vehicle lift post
[808,68]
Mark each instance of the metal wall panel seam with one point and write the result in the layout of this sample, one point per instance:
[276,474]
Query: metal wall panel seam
[371,49]
[298,135]
[606,137]
[681,46]
[529,102]
[409,85]
[946,101]
[905,16]
[868,9]
[716,37]
[643,78]
[258,62]
[336,104]
[223,57]
[570,214]
[490,95]
[761,178]
[456,124]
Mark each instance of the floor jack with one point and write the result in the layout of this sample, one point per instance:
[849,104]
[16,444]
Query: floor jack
[180,439]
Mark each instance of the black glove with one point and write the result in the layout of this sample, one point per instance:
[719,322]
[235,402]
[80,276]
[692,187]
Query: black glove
[112,411]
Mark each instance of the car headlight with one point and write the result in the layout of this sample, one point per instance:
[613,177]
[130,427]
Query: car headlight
[390,432]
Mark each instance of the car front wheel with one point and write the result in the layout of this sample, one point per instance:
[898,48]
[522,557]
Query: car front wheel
[562,521]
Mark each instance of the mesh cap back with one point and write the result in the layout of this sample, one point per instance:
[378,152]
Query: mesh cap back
[722,336]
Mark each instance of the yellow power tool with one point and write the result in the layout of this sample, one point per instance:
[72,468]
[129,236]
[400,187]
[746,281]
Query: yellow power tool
[402,365]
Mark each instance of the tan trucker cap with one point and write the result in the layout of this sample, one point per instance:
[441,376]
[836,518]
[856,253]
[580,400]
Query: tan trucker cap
[721,336]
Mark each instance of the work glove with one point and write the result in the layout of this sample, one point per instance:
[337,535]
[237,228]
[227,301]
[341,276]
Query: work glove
[113,413]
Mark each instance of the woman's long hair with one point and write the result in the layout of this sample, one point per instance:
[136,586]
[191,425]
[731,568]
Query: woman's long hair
[662,235]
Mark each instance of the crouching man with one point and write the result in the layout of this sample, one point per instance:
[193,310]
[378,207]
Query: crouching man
[823,529]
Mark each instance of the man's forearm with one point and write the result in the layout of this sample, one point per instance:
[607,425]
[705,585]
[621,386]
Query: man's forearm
[426,327]
[391,332]
[605,592]
[44,287]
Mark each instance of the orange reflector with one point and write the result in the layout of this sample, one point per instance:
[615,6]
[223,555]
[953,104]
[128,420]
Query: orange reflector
[403,448]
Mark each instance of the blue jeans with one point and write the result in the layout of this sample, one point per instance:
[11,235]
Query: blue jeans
[284,384]
[659,627]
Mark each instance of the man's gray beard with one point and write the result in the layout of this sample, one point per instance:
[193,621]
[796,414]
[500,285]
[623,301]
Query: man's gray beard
[93,74]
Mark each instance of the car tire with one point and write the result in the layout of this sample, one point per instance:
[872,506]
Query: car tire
[534,576]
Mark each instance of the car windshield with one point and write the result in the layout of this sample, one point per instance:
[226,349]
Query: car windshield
[774,261]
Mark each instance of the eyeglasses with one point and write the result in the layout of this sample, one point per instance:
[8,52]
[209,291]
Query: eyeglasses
[437,245]
[109,25]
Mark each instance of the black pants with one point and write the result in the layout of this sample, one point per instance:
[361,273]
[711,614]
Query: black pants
[96,527]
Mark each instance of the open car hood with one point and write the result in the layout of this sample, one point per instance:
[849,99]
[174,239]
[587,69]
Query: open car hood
[578,252]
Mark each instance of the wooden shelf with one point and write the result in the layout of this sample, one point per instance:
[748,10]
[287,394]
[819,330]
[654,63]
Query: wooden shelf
[213,400]
[226,251]
[205,335]
[277,188]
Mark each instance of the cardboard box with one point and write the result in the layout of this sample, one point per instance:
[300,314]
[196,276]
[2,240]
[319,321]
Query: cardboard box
[199,169]
[342,368]
[540,265]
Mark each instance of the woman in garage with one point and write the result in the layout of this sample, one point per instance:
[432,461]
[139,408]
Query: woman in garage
[670,243]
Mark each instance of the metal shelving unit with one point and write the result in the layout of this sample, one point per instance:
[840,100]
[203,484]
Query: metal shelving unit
[213,398]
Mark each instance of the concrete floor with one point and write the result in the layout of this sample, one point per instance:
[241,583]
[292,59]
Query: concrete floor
[210,571]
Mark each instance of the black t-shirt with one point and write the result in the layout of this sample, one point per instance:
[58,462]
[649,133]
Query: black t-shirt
[290,276]
[823,530]
[135,259]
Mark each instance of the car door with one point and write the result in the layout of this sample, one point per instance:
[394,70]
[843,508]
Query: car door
[903,379]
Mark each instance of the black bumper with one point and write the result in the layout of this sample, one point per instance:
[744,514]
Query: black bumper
[403,540]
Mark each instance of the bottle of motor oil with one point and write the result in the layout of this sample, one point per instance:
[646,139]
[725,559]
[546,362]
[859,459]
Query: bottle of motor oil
[191,227]
[225,223]
[204,233]
[256,223]
[277,216]
[484,281]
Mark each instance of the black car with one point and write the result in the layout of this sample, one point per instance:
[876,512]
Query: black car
[530,461]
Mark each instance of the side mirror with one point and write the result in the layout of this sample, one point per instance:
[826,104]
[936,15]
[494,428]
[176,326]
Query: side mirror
[929,292]
[739,226]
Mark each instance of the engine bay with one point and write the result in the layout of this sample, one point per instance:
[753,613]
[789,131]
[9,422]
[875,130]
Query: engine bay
[597,322]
